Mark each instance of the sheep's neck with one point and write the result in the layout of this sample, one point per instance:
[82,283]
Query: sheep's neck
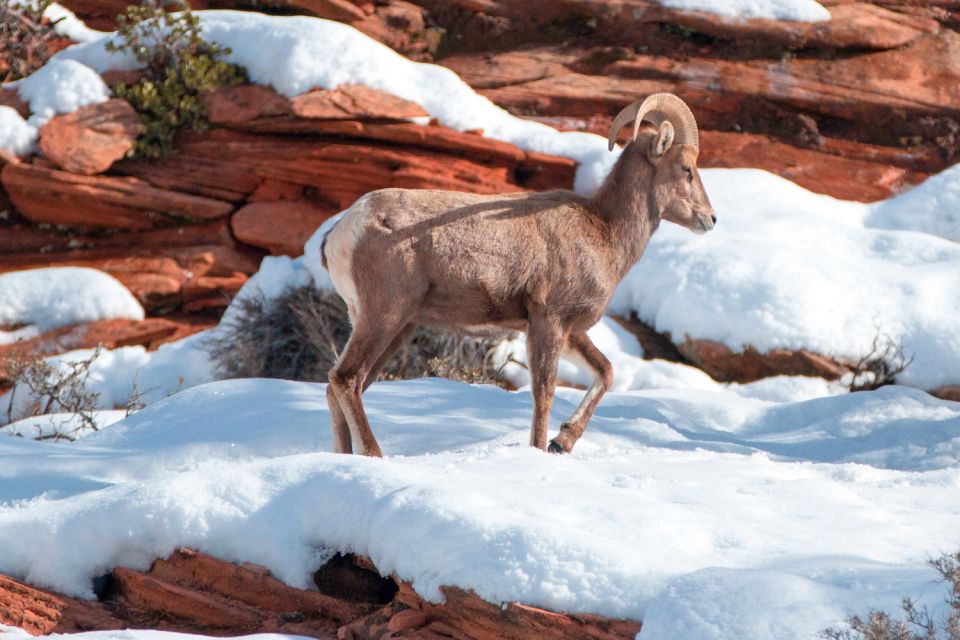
[624,201]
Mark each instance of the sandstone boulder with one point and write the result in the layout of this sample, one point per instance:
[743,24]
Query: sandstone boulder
[41,612]
[281,227]
[725,365]
[150,333]
[91,138]
[10,98]
[354,102]
[234,105]
[100,202]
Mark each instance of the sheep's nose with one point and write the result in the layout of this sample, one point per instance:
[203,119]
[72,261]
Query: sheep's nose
[713,217]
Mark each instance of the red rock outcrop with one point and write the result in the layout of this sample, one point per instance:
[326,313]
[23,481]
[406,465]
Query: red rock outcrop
[89,202]
[42,612]
[193,592]
[725,365]
[281,227]
[354,102]
[91,138]
[149,333]
[10,98]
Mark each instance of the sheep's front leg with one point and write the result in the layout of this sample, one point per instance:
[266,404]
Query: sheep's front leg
[582,350]
[544,343]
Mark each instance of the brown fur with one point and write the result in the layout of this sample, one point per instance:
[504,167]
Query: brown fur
[543,263]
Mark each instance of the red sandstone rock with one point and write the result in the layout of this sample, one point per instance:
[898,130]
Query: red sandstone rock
[354,102]
[950,392]
[150,333]
[233,105]
[196,593]
[337,171]
[725,365]
[856,25]
[845,178]
[41,612]
[10,98]
[91,138]
[86,202]
[281,227]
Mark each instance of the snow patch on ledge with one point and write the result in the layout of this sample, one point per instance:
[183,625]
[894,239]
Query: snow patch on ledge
[46,299]
[795,10]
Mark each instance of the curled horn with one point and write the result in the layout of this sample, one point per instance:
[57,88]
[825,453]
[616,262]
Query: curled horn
[656,109]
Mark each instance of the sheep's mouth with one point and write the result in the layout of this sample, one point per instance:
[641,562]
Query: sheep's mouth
[704,225]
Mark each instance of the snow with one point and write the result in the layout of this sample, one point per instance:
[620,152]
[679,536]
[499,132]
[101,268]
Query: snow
[788,268]
[931,207]
[137,634]
[60,86]
[45,299]
[62,426]
[118,375]
[16,136]
[798,10]
[292,55]
[670,498]
[67,24]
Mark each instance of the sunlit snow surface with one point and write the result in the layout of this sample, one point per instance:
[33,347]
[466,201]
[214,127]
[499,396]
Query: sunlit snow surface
[38,300]
[841,498]
[797,10]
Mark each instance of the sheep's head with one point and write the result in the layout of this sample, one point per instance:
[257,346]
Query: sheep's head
[672,152]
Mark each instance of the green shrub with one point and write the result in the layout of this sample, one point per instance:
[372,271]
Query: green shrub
[25,37]
[178,64]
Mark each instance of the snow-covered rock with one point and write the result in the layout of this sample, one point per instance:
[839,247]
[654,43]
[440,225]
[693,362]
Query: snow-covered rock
[43,299]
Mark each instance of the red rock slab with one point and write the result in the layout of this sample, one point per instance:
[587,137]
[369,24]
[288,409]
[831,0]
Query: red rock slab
[844,178]
[337,172]
[197,593]
[857,25]
[41,612]
[725,365]
[354,102]
[10,98]
[100,202]
[949,392]
[90,139]
[464,614]
[149,333]
[235,105]
[281,227]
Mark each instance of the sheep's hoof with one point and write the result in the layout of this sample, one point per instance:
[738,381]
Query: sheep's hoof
[554,447]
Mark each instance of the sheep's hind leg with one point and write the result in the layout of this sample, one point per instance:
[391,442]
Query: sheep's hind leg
[581,348]
[338,422]
[544,342]
[349,376]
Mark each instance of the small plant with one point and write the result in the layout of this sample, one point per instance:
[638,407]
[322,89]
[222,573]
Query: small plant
[25,38]
[299,335]
[178,63]
[53,388]
[917,623]
[881,365]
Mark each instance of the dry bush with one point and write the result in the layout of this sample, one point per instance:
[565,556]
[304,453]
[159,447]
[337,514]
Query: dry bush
[880,366]
[917,623]
[299,335]
[53,388]
[25,38]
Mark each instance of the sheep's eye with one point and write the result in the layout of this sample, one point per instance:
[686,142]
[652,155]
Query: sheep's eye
[689,173]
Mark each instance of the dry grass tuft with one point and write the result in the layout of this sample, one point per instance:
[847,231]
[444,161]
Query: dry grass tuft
[299,335]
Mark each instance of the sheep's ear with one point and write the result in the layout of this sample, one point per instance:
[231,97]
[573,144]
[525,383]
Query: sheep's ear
[663,140]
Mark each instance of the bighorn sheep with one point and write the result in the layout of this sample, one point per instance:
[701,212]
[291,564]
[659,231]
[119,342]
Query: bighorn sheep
[543,263]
